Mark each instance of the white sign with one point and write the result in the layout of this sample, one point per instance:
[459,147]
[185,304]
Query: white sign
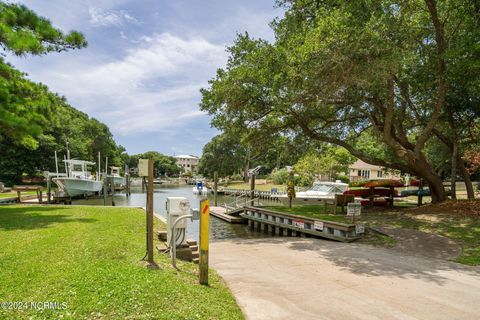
[354,209]
[143,167]
[360,228]
[298,223]
[318,225]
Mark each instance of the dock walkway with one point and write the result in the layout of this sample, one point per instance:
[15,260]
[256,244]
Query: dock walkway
[231,217]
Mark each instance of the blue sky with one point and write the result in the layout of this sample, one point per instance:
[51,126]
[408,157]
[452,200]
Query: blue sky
[145,63]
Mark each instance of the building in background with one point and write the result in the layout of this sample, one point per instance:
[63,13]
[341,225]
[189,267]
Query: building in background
[360,170]
[187,163]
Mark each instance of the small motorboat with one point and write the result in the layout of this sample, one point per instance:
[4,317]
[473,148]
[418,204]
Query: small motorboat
[119,182]
[78,181]
[200,189]
[317,195]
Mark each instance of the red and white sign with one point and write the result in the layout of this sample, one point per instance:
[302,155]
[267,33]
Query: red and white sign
[298,223]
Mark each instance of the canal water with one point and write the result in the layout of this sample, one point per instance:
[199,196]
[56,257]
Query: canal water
[219,229]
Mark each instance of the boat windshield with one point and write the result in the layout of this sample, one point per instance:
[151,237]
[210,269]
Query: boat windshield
[322,188]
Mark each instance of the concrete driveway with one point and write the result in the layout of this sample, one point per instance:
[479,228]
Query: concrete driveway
[297,278]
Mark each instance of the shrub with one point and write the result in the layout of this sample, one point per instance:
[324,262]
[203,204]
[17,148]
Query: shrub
[342,178]
[236,177]
[279,176]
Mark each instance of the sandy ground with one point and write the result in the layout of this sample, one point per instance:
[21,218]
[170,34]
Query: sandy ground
[297,278]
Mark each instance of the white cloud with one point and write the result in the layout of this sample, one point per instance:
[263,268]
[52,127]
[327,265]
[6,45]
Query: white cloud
[152,88]
[105,18]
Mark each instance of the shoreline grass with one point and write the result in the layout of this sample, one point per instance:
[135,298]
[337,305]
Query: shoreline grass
[89,258]
[315,212]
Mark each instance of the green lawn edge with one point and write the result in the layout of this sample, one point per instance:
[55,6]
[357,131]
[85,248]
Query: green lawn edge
[89,258]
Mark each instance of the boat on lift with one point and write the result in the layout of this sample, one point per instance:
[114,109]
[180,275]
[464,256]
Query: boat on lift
[78,181]
[319,193]
[119,182]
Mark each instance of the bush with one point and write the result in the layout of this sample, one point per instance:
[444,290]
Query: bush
[303,181]
[342,178]
[236,177]
[279,176]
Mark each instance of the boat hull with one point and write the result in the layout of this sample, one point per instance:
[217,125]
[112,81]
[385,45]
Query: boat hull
[119,182]
[200,192]
[77,187]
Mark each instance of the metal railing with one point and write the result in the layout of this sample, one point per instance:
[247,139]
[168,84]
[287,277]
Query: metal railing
[236,204]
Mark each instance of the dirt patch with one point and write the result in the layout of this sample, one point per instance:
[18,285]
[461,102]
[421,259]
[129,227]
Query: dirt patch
[430,217]
[457,207]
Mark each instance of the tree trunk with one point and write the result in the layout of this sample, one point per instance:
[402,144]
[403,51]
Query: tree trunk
[466,178]
[435,182]
[453,177]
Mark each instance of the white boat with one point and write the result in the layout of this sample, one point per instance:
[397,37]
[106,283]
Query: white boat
[200,189]
[78,181]
[119,182]
[317,195]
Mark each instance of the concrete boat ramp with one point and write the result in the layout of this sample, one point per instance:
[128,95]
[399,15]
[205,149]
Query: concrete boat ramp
[298,278]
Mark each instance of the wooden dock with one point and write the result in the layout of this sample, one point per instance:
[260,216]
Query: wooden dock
[231,216]
[284,224]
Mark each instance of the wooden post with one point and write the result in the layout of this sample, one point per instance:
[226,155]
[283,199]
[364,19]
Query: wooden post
[49,189]
[204,235]
[372,196]
[105,181]
[105,189]
[215,188]
[392,191]
[252,190]
[112,188]
[150,214]
[419,195]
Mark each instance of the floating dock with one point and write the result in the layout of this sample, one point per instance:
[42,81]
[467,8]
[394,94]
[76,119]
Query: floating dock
[232,216]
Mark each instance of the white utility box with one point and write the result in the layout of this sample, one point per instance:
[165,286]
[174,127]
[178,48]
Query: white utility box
[177,207]
[143,167]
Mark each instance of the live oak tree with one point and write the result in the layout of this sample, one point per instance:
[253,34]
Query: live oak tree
[345,71]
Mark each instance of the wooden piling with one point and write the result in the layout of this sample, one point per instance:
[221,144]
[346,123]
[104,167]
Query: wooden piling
[215,188]
[150,213]
[112,188]
[252,190]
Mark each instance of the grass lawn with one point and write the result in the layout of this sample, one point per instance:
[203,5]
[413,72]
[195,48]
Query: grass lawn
[316,212]
[89,259]
[13,194]
[260,187]
[8,195]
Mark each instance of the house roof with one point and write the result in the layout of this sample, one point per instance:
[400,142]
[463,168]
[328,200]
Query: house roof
[185,156]
[361,165]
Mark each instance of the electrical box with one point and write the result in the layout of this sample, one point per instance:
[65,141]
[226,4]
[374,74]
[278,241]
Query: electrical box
[176,207]
[143,167]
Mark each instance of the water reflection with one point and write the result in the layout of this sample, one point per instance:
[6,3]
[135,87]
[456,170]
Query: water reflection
[218,228]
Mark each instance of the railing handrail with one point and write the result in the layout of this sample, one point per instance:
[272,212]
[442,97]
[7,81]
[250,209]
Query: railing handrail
[227,206]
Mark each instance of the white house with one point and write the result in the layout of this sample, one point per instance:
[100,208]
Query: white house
[360,170]
[188,163]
